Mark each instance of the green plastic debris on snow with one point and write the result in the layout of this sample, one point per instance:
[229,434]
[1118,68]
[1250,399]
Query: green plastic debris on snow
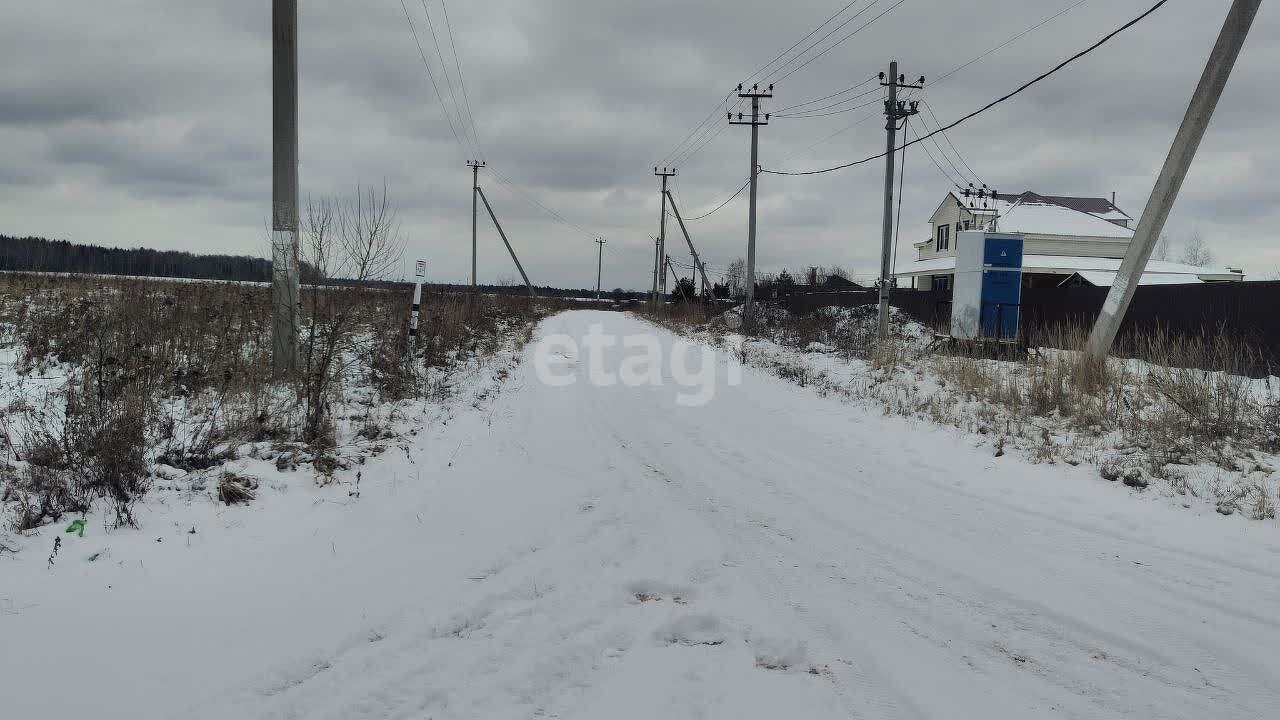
[76,526]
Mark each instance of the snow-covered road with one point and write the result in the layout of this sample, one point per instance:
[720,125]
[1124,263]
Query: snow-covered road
[602,552]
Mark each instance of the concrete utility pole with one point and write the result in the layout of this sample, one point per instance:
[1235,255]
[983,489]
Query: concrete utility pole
[475,166]
[503,235]
[660,277]
[599,264]
[285,291]
[697,262]
[657,264]
[1185,144]
[755,122]
[895,110]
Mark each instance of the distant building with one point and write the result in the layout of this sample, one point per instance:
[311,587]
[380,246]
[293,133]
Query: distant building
[836,282]
[1068,240]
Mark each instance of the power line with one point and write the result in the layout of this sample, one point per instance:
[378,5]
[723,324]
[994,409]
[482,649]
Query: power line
[822,39]
[710,137]
[421,53]
[949,143]
[515,189]
[457,61]
[706,137]
[449,81]
[816,114]
[902,183]
[943,77]
[993,103]
[841,131]
[714,114]
[936,164]
[701,129]
[717,208]
[842,40]
[812,32]
[946,158]
[832,95]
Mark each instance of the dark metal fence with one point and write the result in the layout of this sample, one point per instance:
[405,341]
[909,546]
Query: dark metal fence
[1249,312]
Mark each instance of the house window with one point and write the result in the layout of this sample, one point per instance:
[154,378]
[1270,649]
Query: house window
[966,224]
[941,282]
[944,238]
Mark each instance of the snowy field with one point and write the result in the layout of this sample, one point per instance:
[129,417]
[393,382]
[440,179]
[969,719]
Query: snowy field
[585,551]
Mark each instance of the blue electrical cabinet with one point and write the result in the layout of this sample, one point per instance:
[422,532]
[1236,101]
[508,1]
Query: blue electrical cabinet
[987,291]
[1003,251]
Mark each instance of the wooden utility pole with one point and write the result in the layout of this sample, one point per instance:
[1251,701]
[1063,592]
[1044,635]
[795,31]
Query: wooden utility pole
[660,276]
[285,291]
[895,111]
[1185,144]
[599,264]
[755,94]
[475,166]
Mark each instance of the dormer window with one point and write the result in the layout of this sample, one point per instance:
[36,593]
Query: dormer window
[944,238]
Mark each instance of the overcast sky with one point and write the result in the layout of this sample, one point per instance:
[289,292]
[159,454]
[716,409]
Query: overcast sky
[142,122]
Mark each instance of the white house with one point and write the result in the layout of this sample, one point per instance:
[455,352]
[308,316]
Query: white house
[1068,241]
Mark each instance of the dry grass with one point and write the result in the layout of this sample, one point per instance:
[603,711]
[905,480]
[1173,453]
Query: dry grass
[179,373]
[1187,404]
[234,489]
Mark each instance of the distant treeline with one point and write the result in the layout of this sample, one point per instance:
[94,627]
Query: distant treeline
[617,294]
[33,254]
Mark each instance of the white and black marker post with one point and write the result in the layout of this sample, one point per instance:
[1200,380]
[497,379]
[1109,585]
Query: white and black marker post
[420,272]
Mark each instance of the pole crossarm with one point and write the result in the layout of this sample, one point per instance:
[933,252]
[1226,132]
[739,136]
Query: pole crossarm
[516,260]
[755,94]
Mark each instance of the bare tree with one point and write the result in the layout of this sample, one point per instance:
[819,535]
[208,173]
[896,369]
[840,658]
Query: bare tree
[357,241]
[1163,250]
[735,277]
[369,235]
[1196,251]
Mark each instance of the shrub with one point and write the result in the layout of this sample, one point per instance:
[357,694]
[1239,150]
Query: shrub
[180,373]
[234,489]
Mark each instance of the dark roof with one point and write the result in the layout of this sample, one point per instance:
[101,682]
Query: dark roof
[1094,206]
[1091,205]
[837,281]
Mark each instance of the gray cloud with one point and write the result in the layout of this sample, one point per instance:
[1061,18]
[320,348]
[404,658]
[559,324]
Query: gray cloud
[126,119]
